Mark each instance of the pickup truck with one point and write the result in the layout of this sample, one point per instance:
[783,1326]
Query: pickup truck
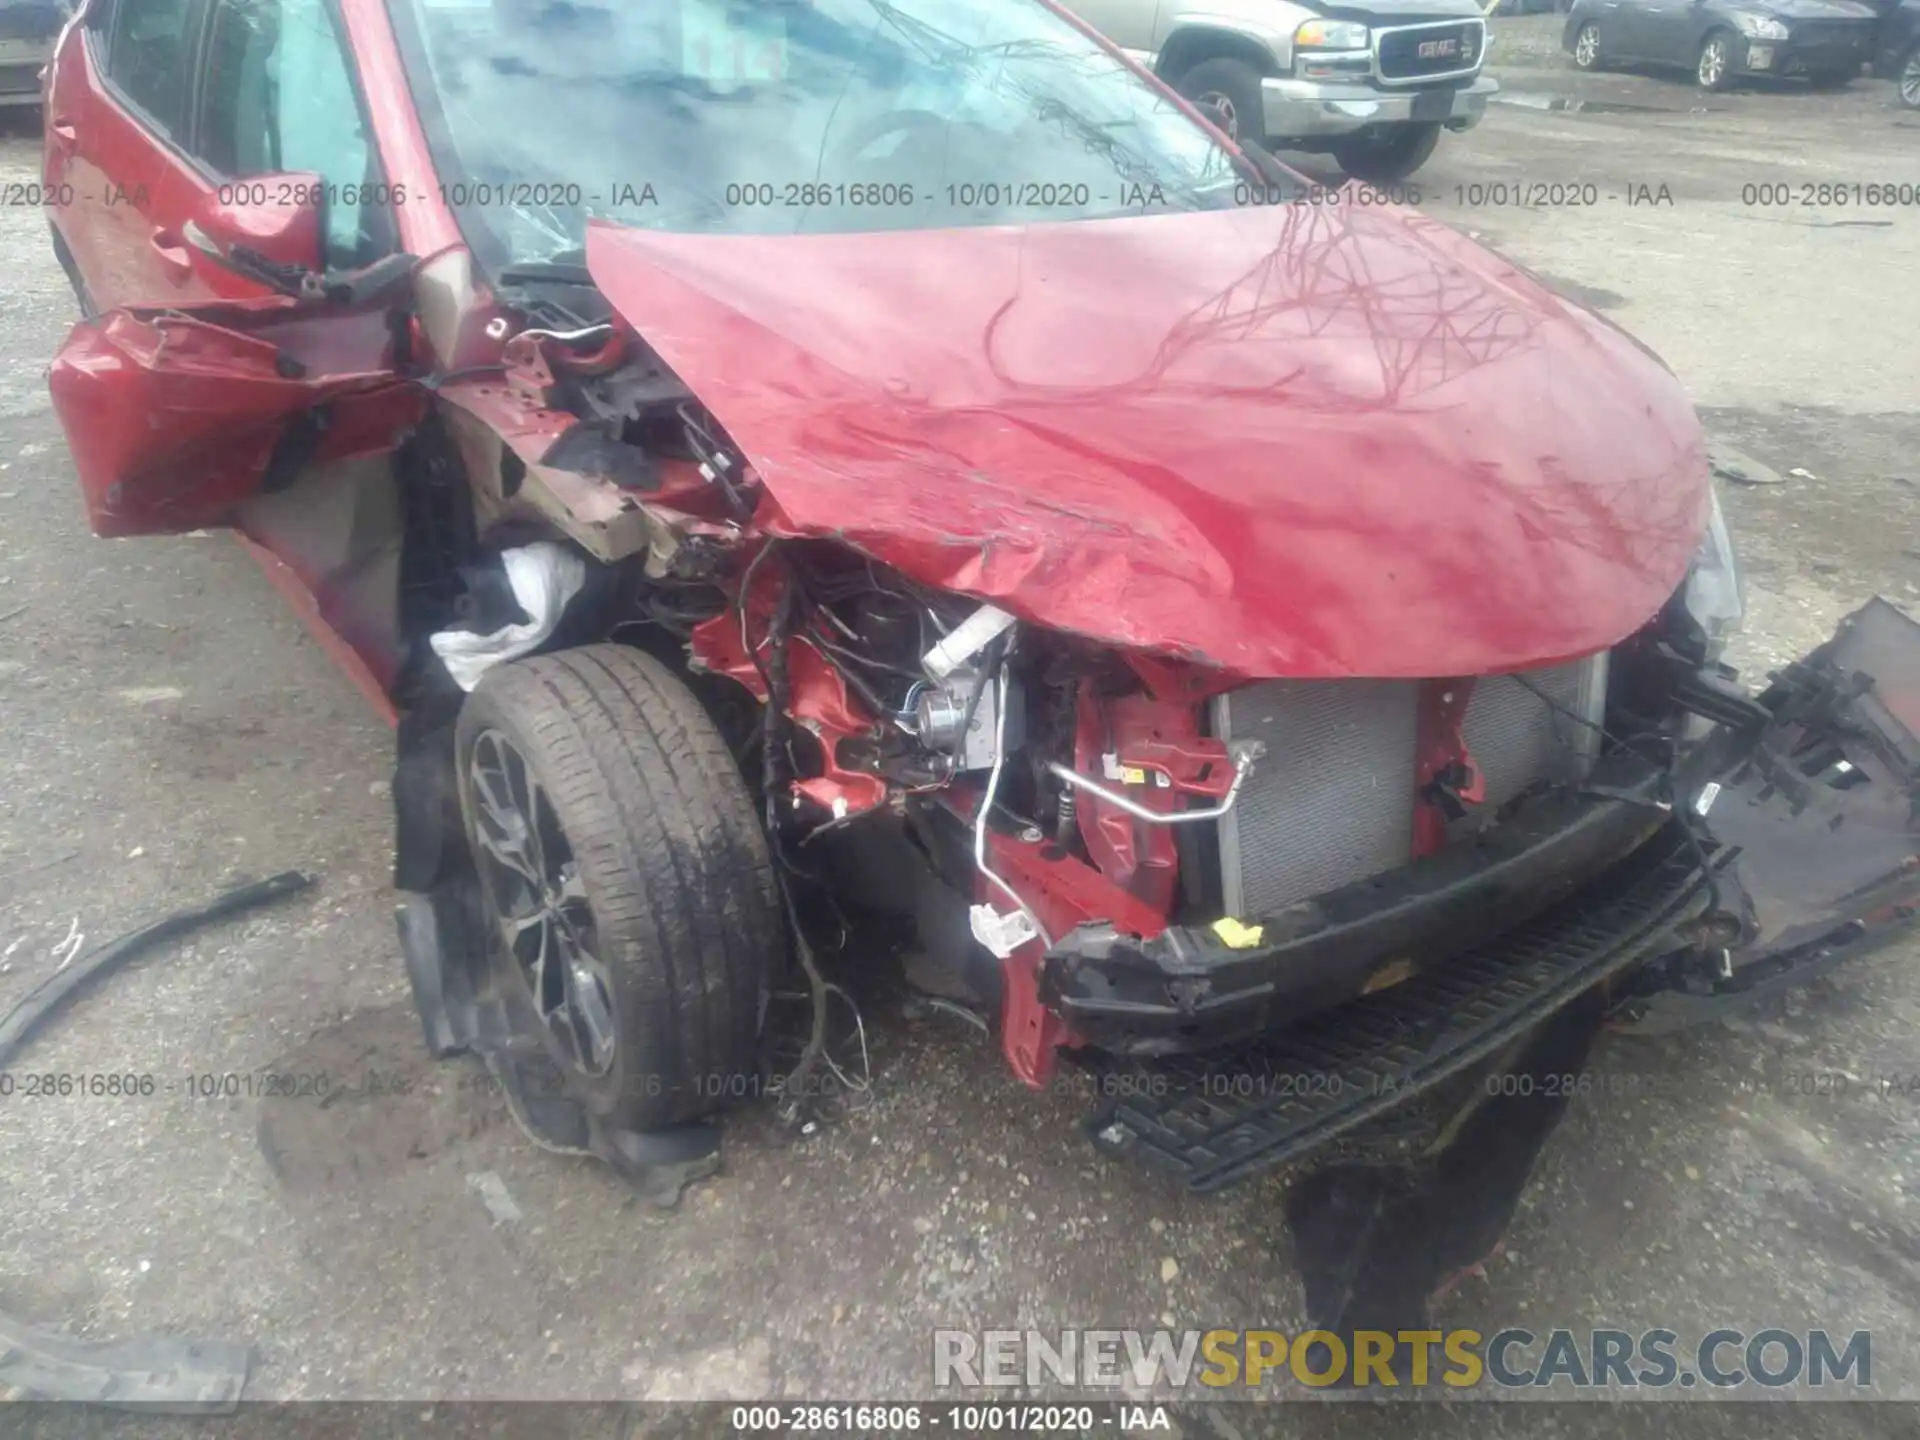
[1371,84]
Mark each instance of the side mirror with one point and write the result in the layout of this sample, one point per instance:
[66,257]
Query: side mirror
[276,219]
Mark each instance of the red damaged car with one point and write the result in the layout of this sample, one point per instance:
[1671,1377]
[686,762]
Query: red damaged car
[796,464]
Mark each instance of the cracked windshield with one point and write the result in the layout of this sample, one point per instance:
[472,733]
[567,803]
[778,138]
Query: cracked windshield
[784,116]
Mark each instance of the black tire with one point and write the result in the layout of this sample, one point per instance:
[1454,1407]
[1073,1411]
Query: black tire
[671,893]
[1589,53]
[1721,76]
[1906,79]
[1236,86]
[1388,158]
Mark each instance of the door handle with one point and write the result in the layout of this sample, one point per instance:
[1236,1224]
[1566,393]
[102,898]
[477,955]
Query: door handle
[172,252]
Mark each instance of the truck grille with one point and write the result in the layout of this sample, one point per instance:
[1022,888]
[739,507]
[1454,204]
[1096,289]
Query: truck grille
[1428,52]
[1332,800]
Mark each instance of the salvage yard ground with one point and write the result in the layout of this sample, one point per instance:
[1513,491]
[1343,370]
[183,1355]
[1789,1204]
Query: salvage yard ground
[168,727]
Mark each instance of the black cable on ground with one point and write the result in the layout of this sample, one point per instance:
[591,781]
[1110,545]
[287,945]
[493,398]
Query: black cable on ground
[155,1372]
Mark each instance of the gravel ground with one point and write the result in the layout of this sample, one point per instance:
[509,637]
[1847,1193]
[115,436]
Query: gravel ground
[170,728]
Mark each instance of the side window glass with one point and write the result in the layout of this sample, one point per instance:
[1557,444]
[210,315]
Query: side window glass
[280,97]
[147,52]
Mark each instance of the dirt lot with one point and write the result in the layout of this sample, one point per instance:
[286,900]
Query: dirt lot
[169,727]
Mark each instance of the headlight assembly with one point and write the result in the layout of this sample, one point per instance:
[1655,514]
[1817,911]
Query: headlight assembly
[1330,35]
[1760,27]
[1715,596]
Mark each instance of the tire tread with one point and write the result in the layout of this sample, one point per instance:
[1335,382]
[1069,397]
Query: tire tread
[670,851]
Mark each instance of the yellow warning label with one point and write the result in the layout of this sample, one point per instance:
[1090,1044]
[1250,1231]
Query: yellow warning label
[1236,936]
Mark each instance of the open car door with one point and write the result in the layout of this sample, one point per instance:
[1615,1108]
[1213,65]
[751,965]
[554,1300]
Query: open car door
[177,415]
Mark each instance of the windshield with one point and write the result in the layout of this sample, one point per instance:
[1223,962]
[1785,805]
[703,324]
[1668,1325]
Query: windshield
[786,116]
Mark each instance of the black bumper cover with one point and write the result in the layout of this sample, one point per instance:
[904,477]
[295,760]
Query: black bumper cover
[1188,989]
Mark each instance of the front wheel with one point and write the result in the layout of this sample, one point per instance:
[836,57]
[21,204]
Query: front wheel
[1232,89]
[1390,156]
[1908,79]
[1714,69]
[1587,54]
[628,878]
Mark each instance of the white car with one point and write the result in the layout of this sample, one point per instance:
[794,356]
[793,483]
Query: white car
[1373,85]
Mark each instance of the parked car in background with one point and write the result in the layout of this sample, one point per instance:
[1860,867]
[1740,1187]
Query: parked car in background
[28,29]
[1825,42]
[1371,84]
[1897,52]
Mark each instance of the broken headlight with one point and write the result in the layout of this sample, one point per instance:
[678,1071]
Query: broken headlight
[1715,596]
[1759,27]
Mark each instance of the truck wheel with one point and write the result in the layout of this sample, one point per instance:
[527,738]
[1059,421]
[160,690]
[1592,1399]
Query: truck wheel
[621,860]
[1233,88]
[1390,156]
[1587,54]
[1715,68]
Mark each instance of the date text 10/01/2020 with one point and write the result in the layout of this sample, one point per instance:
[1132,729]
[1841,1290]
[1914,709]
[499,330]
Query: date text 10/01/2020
[131,1085]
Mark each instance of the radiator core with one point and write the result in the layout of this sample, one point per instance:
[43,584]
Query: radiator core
[1332,800]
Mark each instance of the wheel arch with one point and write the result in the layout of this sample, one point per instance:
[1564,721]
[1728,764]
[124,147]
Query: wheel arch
[1191,44]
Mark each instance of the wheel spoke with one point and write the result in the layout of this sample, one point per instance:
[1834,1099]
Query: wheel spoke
[527,799]
[588,1012]
[501,828]
[541,905]
[510,856]
[518,926]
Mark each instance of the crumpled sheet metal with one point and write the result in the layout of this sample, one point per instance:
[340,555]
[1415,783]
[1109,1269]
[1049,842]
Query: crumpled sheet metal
[1300,441]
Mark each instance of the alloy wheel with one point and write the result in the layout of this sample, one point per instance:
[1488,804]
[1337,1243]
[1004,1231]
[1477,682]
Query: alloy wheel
[1222,106]
[1910,82]
[1586,47]
[533,885]
[1713,62]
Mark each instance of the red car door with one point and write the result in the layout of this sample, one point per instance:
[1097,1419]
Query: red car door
[178,415]
[169,112]
[117,116]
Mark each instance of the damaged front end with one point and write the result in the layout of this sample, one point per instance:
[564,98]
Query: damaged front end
[1677,880]
[982,686]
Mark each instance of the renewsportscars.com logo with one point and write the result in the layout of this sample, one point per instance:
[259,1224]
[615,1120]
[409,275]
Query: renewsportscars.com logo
[1512,1359]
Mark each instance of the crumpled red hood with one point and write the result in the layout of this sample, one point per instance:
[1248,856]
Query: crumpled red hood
[1305,440]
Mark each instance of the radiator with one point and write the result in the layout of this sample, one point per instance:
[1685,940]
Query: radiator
[1332,799]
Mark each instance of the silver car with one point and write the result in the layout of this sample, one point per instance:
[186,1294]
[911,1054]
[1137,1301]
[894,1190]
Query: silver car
[1371,82]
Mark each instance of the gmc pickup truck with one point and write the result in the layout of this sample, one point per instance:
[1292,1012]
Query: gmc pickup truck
[1372,84]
